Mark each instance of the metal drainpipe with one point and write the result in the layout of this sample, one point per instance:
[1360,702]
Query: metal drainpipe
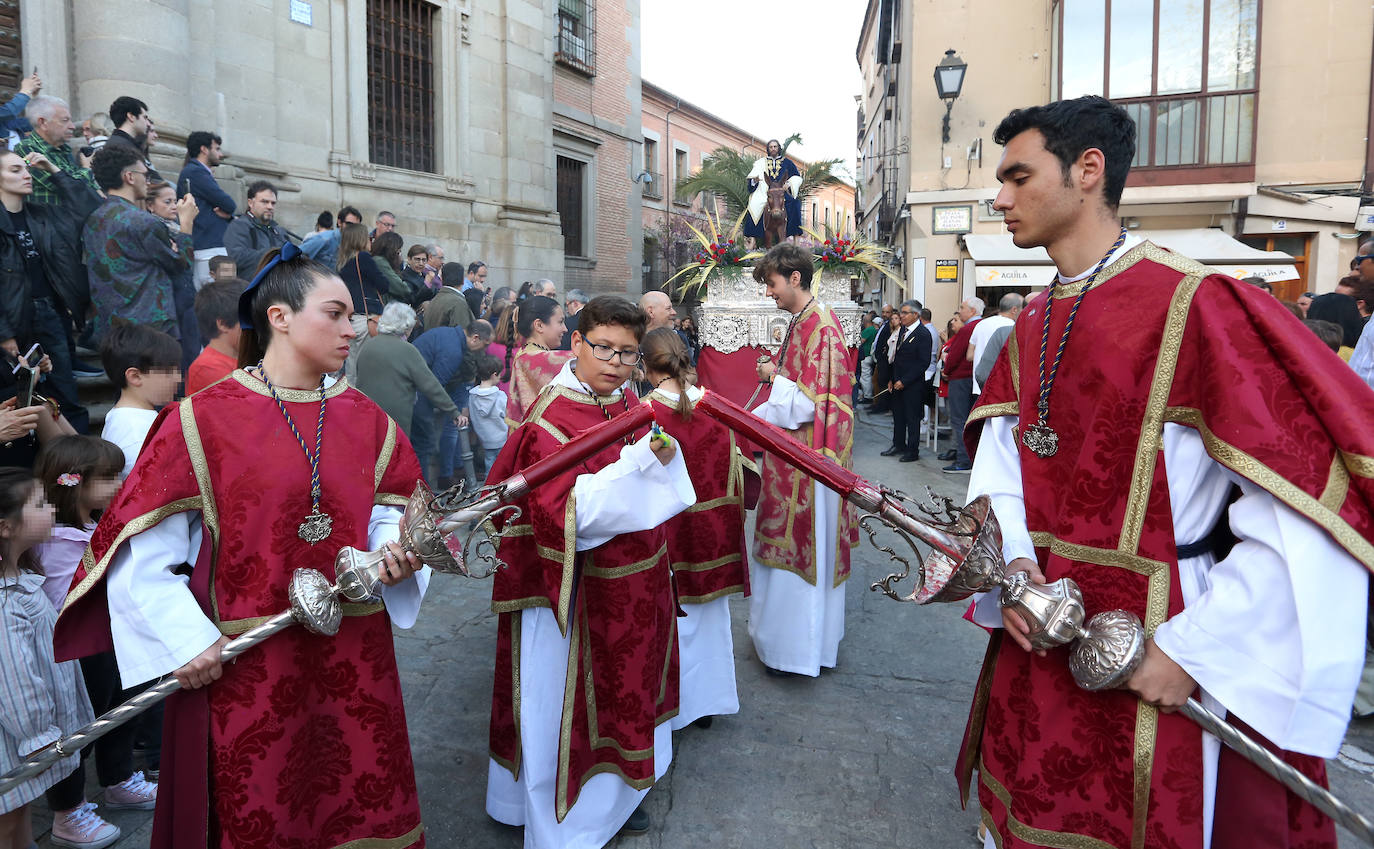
[668,191]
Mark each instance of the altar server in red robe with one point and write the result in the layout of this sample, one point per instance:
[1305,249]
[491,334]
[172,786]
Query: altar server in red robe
[540,321]
[302,740]
[1192,457]
[706,541]
[586,659]
[803,533]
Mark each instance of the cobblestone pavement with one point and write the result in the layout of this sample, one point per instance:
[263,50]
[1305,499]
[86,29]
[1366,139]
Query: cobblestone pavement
[859,757]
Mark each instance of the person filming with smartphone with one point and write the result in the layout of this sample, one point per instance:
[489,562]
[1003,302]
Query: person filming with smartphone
[43,288]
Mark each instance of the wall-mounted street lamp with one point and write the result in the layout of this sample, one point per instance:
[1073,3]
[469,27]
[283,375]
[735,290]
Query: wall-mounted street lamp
[949,81]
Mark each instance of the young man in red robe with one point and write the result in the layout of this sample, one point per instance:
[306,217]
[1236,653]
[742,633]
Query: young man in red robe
[706,542]
[1194,458]
[301,741]
[586,658]
[803,532]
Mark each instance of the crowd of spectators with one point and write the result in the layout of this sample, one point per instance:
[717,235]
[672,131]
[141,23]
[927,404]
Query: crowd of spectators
[98,251]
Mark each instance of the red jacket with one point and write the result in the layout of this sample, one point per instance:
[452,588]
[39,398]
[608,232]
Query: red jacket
[957,365]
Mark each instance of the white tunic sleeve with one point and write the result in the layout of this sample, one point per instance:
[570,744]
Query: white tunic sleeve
[403,600]
[787,406]
[1275,631]
[635,493]
[155,621]
[997,474]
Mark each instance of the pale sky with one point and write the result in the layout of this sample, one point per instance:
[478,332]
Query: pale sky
[769,67]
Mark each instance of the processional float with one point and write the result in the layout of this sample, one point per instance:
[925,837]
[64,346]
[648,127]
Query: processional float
[965,558]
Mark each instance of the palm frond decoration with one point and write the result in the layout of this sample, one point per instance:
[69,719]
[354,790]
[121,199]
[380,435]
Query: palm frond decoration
[716,249]
[838,251]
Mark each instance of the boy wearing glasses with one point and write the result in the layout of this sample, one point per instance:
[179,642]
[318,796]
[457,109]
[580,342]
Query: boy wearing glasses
[586,660]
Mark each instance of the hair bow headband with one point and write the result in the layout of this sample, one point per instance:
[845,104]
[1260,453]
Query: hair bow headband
[287,253]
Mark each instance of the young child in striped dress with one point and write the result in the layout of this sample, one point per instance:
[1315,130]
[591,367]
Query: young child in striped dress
[43,700]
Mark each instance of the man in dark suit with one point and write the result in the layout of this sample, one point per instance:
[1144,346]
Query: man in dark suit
[909,363]
[882,366]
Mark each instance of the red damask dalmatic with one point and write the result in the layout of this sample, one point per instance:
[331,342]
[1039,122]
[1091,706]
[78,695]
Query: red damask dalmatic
[819,362]
[1161,339]
[531,370]
[615,602]
[706,541]
[302,743]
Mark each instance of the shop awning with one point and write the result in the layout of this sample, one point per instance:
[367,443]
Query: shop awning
[998,262]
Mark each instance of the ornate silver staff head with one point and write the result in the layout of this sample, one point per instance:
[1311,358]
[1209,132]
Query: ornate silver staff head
[450,532]
[965,546]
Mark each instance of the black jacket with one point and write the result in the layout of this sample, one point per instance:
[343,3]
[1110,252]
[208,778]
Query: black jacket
[119,138]
[247,240]
[912,357]
[56,229]
[881,367]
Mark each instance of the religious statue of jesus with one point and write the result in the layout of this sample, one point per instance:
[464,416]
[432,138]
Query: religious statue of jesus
[774,210]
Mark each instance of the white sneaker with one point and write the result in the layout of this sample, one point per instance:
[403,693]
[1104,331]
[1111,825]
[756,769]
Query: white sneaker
[83,828]
[134,793]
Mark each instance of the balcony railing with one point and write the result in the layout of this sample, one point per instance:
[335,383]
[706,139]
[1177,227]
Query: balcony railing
[1194,130]
[653,187]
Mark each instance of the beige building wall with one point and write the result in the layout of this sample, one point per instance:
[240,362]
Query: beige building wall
[1312,121]
[290,101]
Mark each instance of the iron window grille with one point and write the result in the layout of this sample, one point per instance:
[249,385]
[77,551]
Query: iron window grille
[400,71]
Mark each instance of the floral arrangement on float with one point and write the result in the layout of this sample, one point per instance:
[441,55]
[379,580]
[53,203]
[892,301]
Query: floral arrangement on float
[849,254]
[718,252]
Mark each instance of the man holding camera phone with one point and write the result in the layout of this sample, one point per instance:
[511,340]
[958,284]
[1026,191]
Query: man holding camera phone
[51,119]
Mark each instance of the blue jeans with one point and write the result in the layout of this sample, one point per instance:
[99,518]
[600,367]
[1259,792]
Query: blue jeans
[50,330]
[960,404]
[444,446]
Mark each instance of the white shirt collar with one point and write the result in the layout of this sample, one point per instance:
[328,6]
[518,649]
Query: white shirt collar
[566,378]
[1130,241]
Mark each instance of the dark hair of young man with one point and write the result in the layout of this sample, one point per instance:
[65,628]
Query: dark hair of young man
[324,221]
[346,211]
[612,309]
[784,259]
[109,163]
[218,303]
[451,273]
[137,346]
[217,261]
[474,267]
[1070,127]
[200,139]
[124,107]
[1327,331]
[259,186]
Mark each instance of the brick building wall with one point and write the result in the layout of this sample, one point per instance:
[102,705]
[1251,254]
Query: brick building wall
[596,133]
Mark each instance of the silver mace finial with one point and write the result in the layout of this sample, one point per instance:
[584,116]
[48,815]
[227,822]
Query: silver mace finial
[428,529]
[1108,648]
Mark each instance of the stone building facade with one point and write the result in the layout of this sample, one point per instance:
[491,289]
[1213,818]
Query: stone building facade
[1254,126]
[440,111]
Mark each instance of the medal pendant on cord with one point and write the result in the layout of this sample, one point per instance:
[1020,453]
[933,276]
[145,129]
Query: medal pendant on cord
[317,526]
[1041,439]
